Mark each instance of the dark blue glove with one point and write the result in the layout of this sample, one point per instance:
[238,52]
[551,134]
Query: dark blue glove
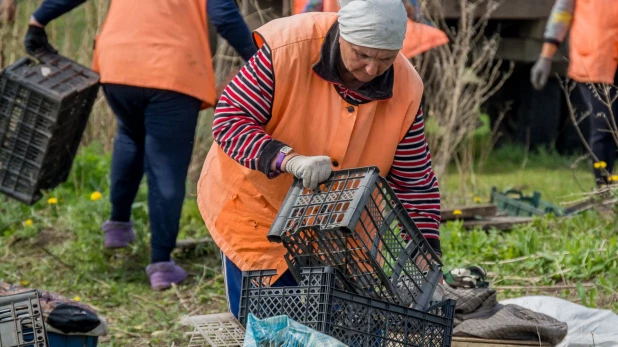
[36,41]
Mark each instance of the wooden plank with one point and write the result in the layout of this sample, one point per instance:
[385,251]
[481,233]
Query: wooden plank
[500,223]
[476,342]
[469,212]
[511,9]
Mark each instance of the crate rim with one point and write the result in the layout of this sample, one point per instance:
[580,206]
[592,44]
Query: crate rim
[9,72]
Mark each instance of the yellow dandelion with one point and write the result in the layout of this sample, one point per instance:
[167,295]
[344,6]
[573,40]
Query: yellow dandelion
[457,212]
[95,196]
[52,201]
[613,178]
[600,165]
[477,199]
[24,283]
[28,222]
[77,298]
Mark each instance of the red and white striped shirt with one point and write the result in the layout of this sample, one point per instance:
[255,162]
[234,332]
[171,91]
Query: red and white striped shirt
[245,107]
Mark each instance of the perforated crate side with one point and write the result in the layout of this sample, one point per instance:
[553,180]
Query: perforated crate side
[21,321]
[43,114]
[306,303]
[337,203]
[362,321]
[65,143]
[26,126]
[377,257]
[219,329]
[352,319]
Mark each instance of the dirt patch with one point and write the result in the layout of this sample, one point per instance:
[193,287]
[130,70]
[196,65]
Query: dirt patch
[50,237]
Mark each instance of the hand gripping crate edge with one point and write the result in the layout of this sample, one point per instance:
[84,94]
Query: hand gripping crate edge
[44,109]
[355,223]
[352,319]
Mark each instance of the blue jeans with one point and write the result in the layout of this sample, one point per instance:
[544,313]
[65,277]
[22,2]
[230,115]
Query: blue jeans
[233,284]
[156,130]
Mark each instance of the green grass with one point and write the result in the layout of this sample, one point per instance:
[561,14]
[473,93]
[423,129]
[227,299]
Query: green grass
[62,250]
[513,167]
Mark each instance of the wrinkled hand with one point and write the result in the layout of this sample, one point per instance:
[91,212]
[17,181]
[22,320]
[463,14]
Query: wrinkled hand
[312,170]
[540,73]
[36,41]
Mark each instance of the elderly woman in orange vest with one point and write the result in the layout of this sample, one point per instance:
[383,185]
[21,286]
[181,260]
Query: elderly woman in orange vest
[420,37]
[593,58]
[155,65]
[326,91]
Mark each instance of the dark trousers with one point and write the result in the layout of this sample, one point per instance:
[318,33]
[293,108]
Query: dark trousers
[156,130]
[601,139]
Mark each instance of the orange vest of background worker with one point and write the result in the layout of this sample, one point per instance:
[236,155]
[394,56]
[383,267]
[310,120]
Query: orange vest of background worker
[419,37]
[593,58]
[366,114]
[156,71]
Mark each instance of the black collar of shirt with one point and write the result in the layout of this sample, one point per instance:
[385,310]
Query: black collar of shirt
[380,88]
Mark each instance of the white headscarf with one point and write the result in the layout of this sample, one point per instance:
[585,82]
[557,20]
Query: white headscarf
[373,23]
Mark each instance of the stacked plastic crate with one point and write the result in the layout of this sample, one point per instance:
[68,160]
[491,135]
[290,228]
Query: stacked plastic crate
[366,274]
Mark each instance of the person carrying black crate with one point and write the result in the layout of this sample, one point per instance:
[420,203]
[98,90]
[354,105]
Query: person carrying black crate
[155,64]
[326,91]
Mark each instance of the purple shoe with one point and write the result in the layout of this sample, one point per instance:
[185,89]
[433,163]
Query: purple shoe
[118,234]
[163,274]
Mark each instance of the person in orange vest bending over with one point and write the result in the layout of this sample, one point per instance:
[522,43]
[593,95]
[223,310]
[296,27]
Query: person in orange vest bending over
[420,37]
[156,70]
[325,91]
[593,58]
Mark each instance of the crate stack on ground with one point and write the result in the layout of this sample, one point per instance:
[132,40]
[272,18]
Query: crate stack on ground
[366,274]
[44,109]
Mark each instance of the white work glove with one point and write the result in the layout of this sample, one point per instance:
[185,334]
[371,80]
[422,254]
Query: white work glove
[540,73]
[312,170]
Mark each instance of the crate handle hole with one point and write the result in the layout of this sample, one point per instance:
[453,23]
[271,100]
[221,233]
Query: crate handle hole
[345,230]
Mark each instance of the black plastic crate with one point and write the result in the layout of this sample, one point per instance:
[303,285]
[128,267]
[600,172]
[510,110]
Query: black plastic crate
[352,319]
[21,321]
[44,109]
[355,223]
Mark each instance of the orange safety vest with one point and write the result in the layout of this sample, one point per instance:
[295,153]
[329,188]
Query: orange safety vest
[329,6]
[238,204]
[419,37]
[160,44]
[593,41]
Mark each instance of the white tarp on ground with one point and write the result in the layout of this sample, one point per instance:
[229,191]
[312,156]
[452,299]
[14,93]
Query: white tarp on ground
[587,327]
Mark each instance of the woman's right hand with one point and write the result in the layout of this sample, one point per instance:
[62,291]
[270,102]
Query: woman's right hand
[312,170]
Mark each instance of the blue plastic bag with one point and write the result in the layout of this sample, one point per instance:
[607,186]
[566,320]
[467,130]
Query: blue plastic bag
[281,331]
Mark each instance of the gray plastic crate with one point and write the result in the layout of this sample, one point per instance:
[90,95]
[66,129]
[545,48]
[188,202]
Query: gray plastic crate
[21,321]
[355,223]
